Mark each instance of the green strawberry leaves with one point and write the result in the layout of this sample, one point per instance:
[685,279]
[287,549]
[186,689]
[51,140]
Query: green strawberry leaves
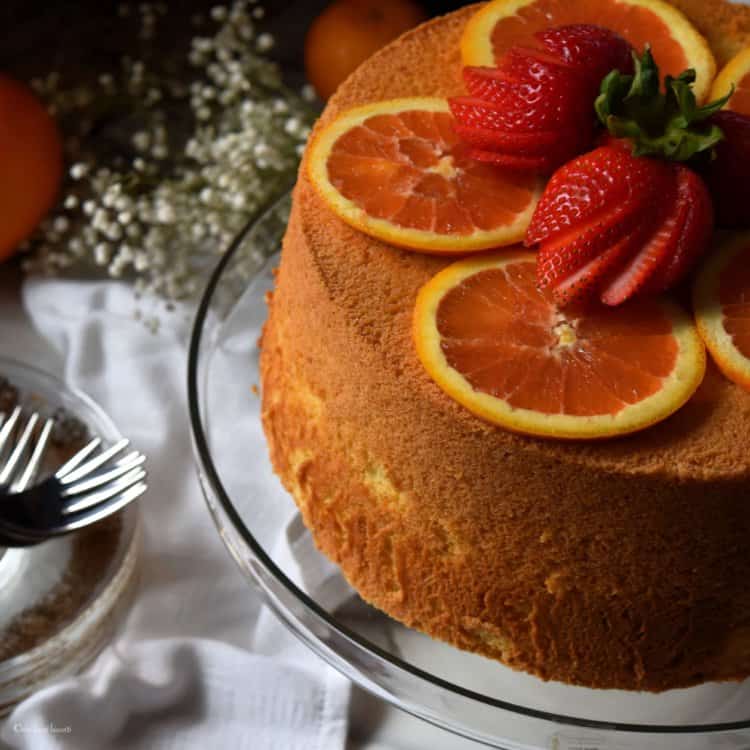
[665,123]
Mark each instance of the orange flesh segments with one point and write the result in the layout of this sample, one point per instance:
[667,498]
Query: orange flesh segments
[675,43]
[396,170]
[496,344]
[638,24]
[721,301]
[510,341]
[409,168]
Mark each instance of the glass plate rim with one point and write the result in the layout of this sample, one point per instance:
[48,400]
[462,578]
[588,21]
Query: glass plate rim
[206,463]
[63,385]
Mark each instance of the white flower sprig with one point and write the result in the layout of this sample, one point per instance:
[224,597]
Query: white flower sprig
[167,165]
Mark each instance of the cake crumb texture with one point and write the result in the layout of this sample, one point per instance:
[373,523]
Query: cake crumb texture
[612,564]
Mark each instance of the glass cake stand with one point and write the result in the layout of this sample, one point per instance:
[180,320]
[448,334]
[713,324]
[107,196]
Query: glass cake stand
[460,692]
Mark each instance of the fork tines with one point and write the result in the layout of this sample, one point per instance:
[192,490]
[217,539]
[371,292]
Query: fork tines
[90,490]
[92,485]
[14,475]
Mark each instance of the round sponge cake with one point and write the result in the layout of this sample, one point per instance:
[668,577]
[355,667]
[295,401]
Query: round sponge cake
[614,564]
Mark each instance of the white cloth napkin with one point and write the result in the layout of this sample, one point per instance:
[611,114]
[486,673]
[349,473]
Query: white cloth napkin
[196,666]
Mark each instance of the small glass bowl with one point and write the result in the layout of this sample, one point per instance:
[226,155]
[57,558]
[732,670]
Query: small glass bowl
[61,601]
[461,692]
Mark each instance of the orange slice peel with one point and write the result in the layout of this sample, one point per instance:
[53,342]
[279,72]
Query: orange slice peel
[397,171]
[499,347]
[721,302]
[675,43]
[735,73]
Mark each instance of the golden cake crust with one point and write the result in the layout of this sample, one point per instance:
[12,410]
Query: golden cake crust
[725,24]
[621,563]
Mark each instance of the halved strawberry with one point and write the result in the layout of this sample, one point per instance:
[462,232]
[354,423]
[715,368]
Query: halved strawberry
[616,225]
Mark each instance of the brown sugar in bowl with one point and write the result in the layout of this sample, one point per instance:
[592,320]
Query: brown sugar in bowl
[616,564]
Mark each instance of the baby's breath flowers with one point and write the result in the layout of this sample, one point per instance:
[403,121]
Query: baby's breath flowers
[169,159]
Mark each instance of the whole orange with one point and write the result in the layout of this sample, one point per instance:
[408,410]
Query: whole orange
[31,163]
[347,32]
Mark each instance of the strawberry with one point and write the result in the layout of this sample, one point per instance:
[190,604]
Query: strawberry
[542,95]
[589,190]
[502,101]
[513,150]
[515,162]
[728,175]
[630,217]
[593,50]
[581,285]
[616,225]
[682,231]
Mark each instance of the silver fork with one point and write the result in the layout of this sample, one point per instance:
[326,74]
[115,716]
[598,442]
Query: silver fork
[12,467]
[89,487]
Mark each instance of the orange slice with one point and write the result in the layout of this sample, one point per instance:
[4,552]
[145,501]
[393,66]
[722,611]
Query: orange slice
[721,300]
[396,170]
[735,73]
[500,347]
[674,41]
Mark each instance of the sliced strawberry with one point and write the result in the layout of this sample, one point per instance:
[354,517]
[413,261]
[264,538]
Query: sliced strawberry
[533,65]
[494,86]
[491,127]
[546,150]
[616,225]
[489,84]
[538,90]
[472,112]
[581,286]
[561,257]
[697,225]
[597,182]
[525,144]
[653,254]
[541,90]
[592,49]
[526,108]
[728,175]
[512,161]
